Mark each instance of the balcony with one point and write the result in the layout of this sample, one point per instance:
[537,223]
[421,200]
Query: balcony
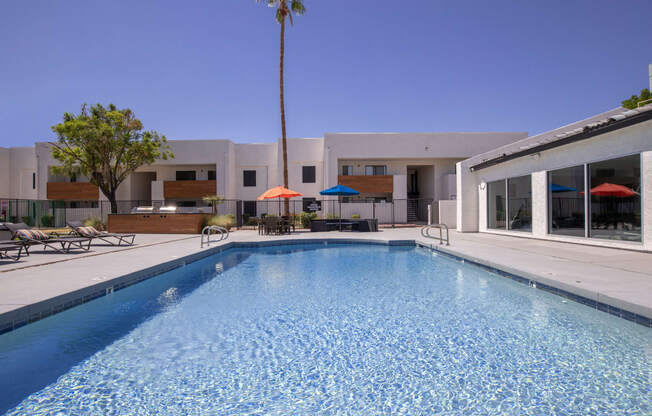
[72,191]
[189,189]
[368,183]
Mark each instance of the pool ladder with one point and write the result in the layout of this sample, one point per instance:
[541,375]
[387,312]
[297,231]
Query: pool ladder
[213,229]
[425,232]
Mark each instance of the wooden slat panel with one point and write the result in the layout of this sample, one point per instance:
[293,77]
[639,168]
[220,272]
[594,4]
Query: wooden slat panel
[72,191]
[368,183]
[189,189]
[156,223]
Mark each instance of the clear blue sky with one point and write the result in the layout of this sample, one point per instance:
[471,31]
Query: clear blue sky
[209,69]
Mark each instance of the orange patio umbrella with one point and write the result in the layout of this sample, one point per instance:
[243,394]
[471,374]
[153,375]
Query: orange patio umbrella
[279,192]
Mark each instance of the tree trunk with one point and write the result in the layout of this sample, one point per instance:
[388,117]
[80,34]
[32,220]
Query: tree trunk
[286,203]
[114,203]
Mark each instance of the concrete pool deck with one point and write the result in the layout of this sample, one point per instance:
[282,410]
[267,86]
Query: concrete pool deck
[44,284]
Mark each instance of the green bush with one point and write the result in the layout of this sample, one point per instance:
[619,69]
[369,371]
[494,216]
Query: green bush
[96,223]
[355,216]
[226,221]
[306,218]
[252,221]
[47,220]
[332,217]
[28,220]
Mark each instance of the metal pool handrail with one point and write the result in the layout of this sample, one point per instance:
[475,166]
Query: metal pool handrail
[208,230]
[425,232]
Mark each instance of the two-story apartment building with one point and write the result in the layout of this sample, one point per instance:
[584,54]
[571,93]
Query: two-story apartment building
[383,167]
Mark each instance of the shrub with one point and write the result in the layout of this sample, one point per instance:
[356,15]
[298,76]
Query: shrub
[306,218]
[47,220]
[28,220]
[96,223]
[252,221]
[332,217]
[355,216]
[226,221]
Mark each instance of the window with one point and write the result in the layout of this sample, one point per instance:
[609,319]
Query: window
[615,204]
[509,204]
[73,177]
[519,203]
[33,180]
[185,203]
[566,201]
[347,170]
[308,174]
[496,193]
[211,175]
[186,175]
[375,170]
[249,208]
[249,178]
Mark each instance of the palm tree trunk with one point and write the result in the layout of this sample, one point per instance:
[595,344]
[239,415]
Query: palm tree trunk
[286,204]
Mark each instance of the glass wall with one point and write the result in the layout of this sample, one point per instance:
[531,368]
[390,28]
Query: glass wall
[520,203]
[615,187]
[496,193]
[566,201]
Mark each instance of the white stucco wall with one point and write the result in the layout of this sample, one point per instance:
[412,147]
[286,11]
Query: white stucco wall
[5,176]
[261,157]
[471,186]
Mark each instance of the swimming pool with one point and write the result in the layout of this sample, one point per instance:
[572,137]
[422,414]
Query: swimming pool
[309,329]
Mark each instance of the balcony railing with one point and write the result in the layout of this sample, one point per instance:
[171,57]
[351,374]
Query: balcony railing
[189,189]
[72,191]
[368,183]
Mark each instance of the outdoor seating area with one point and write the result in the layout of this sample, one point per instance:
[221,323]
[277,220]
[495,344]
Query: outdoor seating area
[272,225]
[19,238]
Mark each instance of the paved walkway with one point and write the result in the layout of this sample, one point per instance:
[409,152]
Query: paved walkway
[619,278]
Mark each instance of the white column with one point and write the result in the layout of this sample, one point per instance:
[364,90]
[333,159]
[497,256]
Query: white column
[468,193]
[539,204]
[646,198]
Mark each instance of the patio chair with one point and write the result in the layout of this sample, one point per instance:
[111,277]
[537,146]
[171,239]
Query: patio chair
[32,237]
[12,245]
[92,233]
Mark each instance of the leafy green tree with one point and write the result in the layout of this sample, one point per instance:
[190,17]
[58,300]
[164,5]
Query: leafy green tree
[106,145]
[284,10]
[633,101]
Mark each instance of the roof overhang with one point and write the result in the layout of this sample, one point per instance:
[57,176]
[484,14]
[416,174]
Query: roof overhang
[586,133]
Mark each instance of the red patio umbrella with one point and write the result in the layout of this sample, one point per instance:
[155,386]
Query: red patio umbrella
[612,189]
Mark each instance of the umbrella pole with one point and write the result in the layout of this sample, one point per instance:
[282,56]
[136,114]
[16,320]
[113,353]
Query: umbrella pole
[339,198]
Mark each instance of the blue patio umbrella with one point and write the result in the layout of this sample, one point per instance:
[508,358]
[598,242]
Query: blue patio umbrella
[340,190]
[560,188]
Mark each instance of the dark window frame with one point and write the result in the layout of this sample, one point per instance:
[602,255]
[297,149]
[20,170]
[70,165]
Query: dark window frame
[311,176]
[248,178]
[185,175]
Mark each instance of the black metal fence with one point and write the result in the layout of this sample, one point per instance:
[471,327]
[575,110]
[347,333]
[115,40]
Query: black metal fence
[46,213]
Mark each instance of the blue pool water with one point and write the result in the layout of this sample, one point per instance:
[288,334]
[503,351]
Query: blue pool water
[347,329]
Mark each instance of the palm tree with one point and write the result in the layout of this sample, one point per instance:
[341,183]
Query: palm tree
[284,10]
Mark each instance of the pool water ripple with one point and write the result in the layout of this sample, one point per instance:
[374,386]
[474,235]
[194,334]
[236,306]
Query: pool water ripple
[338,330]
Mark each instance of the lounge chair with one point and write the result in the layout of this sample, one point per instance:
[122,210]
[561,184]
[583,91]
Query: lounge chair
[31,237]
[12,245]
[91,232]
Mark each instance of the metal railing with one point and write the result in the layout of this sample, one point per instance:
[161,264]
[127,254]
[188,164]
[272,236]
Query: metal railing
[207,231]
[425,232]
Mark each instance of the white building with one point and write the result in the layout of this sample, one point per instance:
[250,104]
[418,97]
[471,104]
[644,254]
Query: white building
[382,166]
[537,187]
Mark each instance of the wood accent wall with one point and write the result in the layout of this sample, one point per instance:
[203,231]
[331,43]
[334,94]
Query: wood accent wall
[156,223]
[368,183]
[189,189]
[72,191]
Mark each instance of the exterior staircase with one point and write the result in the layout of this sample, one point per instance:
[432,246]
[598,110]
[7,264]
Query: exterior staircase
[412,210]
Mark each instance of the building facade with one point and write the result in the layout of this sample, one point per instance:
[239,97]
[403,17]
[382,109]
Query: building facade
[588,182]
[384,167]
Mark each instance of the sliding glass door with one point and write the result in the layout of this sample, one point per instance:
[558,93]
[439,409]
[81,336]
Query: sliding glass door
[566,201]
